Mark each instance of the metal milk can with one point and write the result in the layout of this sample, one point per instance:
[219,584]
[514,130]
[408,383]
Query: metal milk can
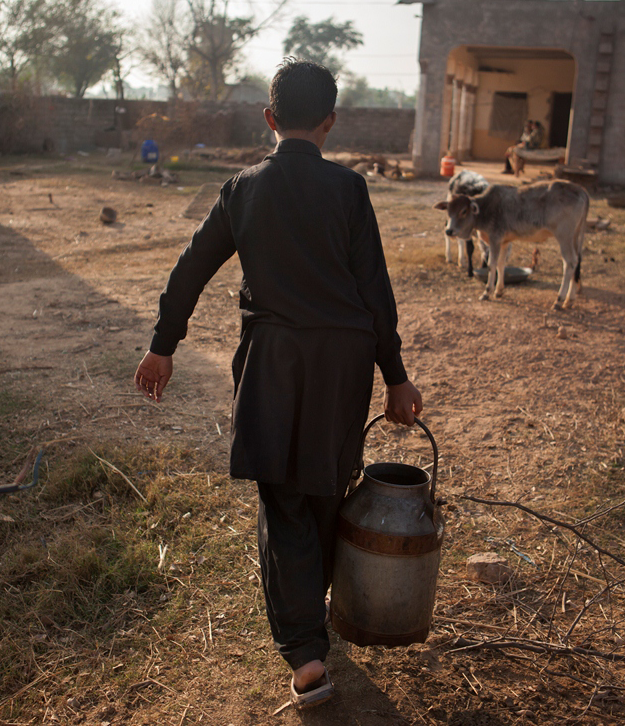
[390,531]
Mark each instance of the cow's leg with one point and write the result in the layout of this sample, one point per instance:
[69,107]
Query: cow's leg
[568,269]
[470,249]
[462,253]
[570,258]
[484,251]
[508,252]
[493,259]
[447,248]
[504,253]
[576,258]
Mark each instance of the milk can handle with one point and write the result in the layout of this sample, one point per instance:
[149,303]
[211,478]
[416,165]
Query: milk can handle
[361,464]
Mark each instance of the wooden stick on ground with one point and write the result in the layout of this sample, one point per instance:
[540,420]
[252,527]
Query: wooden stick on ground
[547,518]
[535,647]
[121,473]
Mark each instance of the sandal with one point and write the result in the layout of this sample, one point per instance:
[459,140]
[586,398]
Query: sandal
[319,692]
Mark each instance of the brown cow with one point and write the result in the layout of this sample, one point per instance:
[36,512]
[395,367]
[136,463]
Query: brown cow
[535,213]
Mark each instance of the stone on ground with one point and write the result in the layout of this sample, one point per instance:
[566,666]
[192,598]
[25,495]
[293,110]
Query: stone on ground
[108,215]
[488,567]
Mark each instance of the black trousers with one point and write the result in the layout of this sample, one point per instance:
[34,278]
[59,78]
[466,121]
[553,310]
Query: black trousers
[296,537]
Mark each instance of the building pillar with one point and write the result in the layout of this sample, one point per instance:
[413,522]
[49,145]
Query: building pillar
[447,111]
[471,121]
[428,140]
[462,123]
[419,132]
[455,118]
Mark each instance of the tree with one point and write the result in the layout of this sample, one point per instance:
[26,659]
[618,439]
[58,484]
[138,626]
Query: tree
[24,34]
[317,41]
[123,64]
[86,43]
[216,41]
[165,42]
[356,91]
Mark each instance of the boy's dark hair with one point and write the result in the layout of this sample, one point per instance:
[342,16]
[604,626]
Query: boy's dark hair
[302,95]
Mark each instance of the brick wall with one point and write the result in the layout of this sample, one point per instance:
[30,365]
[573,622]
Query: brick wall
[66,124]
[71,124]
[373,129]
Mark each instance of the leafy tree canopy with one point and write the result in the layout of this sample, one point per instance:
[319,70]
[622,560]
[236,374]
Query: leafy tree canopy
[164,42]
[355,91]
[319,42]
[86,43]
[25,32]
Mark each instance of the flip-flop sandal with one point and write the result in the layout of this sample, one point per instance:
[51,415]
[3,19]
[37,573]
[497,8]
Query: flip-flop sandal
[322,691]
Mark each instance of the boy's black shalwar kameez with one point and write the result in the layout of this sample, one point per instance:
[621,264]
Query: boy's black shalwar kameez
[317,313]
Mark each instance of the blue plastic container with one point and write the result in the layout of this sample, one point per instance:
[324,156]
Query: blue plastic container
[149,151]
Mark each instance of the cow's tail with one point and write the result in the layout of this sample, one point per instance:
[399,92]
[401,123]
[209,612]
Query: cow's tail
[579,240]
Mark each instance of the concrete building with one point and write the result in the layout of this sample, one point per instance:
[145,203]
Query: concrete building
[488,65]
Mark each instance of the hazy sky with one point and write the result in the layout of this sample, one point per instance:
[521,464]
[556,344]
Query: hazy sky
[390,32]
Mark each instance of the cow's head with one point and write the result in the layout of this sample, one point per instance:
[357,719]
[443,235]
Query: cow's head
[462,214]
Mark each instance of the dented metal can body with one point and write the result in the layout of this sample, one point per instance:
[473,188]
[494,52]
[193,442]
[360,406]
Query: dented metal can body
[390,532]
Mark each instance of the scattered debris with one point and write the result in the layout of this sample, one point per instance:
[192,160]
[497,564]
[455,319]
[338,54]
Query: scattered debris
[395,172]
[535,259]
[108,215]
[123,175]
[378,169]
[153,176]
[600,223]
[32,458]
[148,179]
[488,567]
[361,168]
[616,200]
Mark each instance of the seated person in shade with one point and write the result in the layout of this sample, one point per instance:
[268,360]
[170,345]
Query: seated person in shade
[522,143]
[537,136]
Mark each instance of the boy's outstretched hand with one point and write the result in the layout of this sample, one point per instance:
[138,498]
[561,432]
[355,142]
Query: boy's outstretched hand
[152,375]
[402,403]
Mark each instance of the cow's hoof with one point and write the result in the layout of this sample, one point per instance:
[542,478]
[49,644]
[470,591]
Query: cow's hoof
[567,304]
[498,293]
[557,305]
[484,296]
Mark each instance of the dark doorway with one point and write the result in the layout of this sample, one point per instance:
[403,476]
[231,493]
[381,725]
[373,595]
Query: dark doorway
[560,112]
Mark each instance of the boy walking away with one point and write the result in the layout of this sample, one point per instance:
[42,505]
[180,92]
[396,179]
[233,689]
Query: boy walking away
[317,313]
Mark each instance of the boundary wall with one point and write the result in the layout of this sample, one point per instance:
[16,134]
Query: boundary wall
[66,125]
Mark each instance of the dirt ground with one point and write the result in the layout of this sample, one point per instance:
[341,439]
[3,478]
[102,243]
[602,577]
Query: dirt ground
[526,403]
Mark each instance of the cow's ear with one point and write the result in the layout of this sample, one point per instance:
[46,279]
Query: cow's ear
[474,208]
[441,205]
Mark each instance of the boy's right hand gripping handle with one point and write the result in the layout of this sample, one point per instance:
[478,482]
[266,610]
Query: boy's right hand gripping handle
[360,459]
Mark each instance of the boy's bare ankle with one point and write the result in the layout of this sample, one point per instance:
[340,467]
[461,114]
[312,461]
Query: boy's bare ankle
[307,674]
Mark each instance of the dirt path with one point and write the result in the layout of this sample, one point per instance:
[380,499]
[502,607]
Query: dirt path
[522,401]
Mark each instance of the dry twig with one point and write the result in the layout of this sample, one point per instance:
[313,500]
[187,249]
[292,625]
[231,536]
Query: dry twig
[121,473]
[551,520]
[535,646]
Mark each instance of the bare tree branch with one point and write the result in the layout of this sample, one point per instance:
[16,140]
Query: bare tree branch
[551,520]
[588,605]
[535,647]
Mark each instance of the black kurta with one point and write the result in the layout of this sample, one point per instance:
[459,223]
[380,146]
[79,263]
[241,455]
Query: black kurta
[317,310]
